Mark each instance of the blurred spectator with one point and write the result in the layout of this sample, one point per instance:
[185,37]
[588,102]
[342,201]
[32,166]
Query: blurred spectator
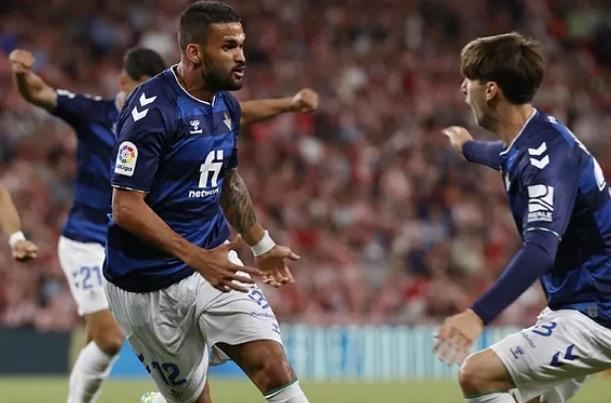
[391,227]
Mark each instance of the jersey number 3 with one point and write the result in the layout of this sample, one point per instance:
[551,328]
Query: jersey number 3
[210,169]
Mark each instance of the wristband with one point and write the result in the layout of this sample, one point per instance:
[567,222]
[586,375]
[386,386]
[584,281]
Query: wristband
[15,237]
[264,245]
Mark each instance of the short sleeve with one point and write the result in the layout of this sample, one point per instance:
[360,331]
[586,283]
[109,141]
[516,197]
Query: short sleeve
[235,112]
[142,135]
[550,181]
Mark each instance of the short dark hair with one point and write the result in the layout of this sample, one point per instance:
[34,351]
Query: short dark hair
[514,62]
[139,62]
[197,18]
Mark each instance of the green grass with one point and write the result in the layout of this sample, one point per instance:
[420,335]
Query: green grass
[50,390]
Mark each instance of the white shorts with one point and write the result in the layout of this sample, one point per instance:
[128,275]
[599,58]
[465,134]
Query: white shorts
[82,264]
[171,329]
[554,357]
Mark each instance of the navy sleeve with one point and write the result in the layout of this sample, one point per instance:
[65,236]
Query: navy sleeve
[484,152]
[236,114]
[142,135]
[76,108]
[536,256]
[549,180]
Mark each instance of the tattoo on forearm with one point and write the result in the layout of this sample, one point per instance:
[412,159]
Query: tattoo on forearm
[236,203]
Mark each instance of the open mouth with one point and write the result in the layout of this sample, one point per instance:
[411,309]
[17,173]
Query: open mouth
[238,72]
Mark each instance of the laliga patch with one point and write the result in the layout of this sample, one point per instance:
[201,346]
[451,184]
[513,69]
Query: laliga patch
[126,159]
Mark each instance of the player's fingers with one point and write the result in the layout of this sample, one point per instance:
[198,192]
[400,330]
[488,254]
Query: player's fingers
[234,286]
[242,279]
[253,271]
[293,256]
[234,243]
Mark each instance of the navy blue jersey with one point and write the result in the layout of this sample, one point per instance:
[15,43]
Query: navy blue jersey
[176,149]
[555,185]
[92,118]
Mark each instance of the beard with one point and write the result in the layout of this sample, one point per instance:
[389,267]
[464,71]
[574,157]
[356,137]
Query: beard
[217,79]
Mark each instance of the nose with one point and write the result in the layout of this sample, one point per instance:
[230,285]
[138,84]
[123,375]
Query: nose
[239,56]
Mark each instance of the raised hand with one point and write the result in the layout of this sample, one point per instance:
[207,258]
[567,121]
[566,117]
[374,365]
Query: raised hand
[21,60]
[218,270]
[306,100]
[24,250]
[274,266]
[457,136]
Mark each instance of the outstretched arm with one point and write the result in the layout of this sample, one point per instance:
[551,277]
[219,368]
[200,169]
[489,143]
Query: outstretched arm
[238,208]
[306,100]
[481,152]
[31,87]
[11,225]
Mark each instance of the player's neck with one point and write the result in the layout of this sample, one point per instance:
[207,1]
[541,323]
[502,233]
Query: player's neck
[510,121]
[191,80]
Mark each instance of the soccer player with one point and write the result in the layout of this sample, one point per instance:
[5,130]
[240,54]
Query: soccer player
[175,283]
[81,246]
[21,249]
[562,207]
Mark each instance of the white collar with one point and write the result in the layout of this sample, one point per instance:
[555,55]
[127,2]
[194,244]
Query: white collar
[532,115]
[187,92]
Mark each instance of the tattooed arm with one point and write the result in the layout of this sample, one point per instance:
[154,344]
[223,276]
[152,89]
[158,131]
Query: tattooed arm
[238,208]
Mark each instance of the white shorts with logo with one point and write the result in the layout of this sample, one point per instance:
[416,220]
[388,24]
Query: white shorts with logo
[554,357]
[82,264]
[171,329]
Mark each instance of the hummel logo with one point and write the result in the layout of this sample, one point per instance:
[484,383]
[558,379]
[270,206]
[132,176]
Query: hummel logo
[536,152]
[136,114]
[194,123]
[227,121]
[144,101]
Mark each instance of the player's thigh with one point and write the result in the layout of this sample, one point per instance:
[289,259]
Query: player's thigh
[483,372]
[235,318]
[162,329]
[82,265]
[559,347]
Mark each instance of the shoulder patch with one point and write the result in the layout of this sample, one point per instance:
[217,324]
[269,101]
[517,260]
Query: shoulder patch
[540,203]
[126,159]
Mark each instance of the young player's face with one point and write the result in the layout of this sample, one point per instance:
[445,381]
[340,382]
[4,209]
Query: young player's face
[126,83]
[223,63]
[475,96]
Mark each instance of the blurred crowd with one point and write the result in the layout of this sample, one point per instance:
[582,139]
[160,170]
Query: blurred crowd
[391,226]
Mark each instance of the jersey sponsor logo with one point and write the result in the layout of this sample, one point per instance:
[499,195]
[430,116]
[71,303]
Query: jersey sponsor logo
[540,203]
[195,126]
[126,159]
[136,114]
[537,156]
[227,121]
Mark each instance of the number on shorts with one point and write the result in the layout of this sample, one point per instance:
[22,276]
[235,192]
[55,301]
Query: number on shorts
[169,372]
[86,279]
[545,329]
[259,298]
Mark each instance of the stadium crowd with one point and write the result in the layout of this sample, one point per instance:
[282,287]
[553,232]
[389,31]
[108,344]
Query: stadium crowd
[390,225]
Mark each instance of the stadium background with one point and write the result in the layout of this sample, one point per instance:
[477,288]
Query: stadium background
[393,229]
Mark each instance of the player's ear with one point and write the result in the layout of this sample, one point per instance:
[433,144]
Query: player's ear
[492,90]
[193,53]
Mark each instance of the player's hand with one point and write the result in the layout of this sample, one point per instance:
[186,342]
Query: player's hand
[457,136]
[274,266]
[218,270]
[455,336]
[24,251]
[21,60]
[306,100]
